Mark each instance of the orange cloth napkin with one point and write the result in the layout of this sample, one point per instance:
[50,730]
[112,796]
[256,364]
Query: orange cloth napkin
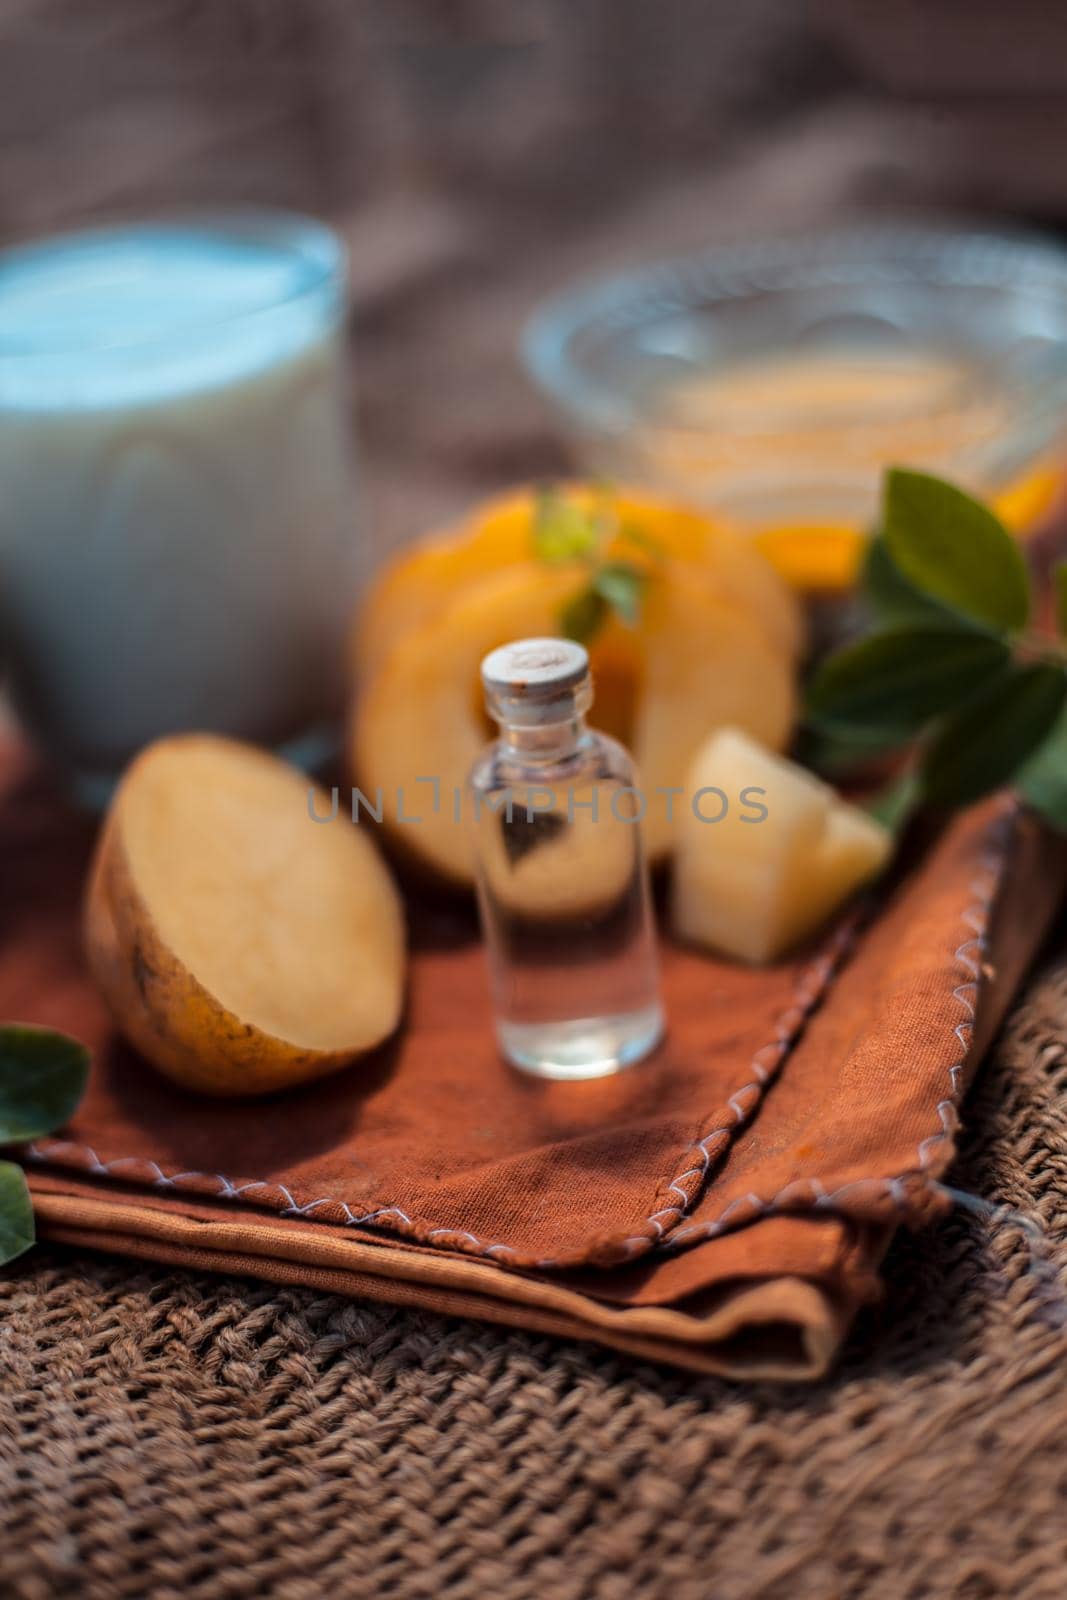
[723,1207]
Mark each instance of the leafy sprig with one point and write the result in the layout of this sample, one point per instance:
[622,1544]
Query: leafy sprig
[951,667]
[42,1077]
[565,533]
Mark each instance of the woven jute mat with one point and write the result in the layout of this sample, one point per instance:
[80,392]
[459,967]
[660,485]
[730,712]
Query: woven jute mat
[167,1434]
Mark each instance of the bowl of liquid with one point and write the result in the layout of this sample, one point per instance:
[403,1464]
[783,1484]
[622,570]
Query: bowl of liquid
[774,381]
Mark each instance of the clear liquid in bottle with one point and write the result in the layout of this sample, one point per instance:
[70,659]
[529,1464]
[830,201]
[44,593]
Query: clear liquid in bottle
[563,888]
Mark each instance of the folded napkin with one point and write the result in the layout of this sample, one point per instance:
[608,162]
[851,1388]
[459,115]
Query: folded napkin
[723,1207]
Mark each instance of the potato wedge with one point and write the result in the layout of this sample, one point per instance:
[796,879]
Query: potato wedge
[770,854]
[242,946]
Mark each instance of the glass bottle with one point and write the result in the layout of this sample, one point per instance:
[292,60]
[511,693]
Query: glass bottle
[555,812]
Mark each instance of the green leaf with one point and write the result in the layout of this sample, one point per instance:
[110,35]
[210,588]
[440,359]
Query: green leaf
[897,681]
[623,587]
[840,754]
[647,543]
[891,596]
[1043,778]
[987,742]
[42,1078]
[1059,578]
[893,806]
[954,549]
[16,1213]
[581,617]
[563,532]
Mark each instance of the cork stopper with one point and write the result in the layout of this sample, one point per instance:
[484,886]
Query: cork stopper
[532,682]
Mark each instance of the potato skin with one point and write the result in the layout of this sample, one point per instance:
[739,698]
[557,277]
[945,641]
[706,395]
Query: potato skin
[173,1021]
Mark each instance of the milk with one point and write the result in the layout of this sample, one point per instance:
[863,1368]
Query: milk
[176,505]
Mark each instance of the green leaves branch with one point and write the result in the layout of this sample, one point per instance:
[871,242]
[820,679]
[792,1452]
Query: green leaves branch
[565,533]
[42,1078]
[950,667]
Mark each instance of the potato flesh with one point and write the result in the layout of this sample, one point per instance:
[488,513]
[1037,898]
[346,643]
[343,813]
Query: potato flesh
[695,662]
[293,926]
[706,665]
[754,889]
[420,717]
[410,590]
[578,871]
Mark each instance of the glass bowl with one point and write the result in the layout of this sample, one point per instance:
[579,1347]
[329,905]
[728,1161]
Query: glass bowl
[773,381]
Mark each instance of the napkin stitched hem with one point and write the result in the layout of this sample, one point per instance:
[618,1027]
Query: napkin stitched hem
[661,1228]
[911,1190]
[811,988]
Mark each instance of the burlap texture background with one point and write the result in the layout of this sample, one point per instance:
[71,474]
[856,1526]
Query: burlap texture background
[165,1434]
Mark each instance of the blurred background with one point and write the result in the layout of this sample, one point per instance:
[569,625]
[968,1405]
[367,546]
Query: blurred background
[478,155]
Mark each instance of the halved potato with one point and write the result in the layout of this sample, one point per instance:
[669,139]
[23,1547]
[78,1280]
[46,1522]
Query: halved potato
[411,589]
[694,662]
[242,946]
[418,725]
[706,665]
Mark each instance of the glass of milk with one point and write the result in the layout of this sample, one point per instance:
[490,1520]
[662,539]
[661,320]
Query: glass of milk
[177,518]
